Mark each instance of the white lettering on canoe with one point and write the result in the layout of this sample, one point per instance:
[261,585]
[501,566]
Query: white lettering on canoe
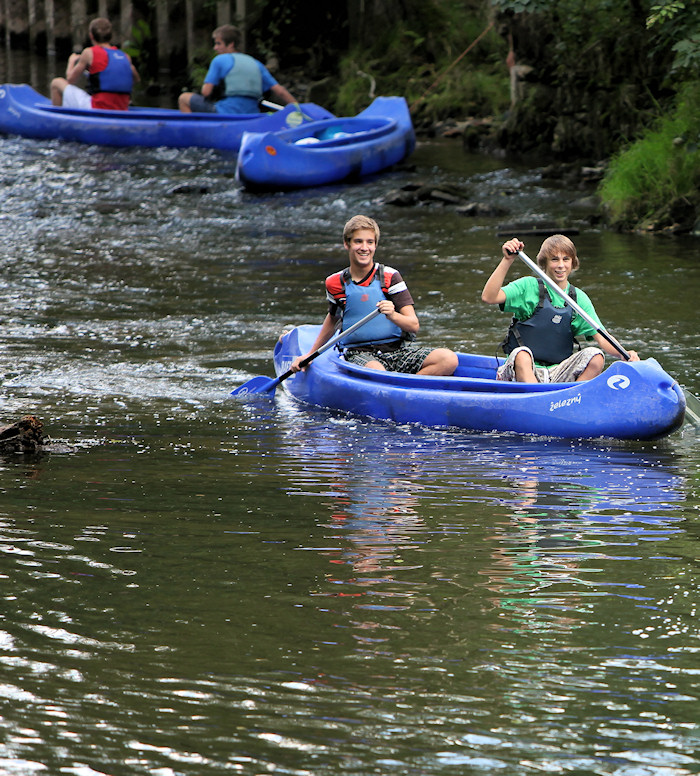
[555,405]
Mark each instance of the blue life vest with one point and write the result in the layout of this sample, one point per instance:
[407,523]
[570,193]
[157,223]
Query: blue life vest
[116,78]
[360,301]
[244,79]
[547,332]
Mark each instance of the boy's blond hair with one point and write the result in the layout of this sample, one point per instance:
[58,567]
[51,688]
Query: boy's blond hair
[360,222]
[552,246]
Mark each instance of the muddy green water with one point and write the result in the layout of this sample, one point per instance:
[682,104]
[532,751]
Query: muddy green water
[192,585]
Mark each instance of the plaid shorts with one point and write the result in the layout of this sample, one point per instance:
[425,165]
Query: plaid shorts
[408,358]
[565,372]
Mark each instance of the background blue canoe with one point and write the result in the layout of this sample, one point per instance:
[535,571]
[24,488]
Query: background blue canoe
[25,112]
[339,149]
[630,400]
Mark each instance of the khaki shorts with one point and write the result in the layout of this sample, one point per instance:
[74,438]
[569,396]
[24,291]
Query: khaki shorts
[565,372]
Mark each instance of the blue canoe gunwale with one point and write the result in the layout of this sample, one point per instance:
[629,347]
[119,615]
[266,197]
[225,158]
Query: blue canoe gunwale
[630,400]
[330,151]
[25,112]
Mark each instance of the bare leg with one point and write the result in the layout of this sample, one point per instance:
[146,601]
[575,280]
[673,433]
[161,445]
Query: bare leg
[594,368]
[183,102]
[57,87]
[376,365]
[524,368]
[440,361]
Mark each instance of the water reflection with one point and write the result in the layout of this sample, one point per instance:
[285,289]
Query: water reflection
[559,507]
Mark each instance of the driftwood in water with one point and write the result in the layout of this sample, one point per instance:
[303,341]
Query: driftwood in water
[24,436]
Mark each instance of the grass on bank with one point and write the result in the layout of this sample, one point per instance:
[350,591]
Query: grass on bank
[660,168]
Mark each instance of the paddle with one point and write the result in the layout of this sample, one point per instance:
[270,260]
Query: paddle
[295,117]
[586,317]
[267,385]
[692,403]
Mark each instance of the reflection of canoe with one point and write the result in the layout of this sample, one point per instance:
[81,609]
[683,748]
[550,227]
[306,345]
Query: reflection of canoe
[25,112]
[628,401]
[329,151]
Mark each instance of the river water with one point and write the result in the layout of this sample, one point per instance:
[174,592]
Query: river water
[194,585]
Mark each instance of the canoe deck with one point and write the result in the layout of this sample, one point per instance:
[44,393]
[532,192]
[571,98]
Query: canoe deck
[630,400]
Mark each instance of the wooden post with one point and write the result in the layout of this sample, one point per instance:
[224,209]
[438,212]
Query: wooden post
[125,21]
[78,24]
[163,36]
[241,12]
[8,32]
[32,25]
[223,12]
[189,29]
[50,14]
[102,11]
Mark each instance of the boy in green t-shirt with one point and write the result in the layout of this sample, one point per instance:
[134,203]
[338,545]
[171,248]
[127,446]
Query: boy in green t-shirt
[540,341]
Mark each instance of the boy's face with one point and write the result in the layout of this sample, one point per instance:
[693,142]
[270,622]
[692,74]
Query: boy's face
[361,248]
[559,268]
[220,47]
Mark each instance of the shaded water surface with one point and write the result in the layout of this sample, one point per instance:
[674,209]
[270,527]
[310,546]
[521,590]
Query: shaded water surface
[193,585]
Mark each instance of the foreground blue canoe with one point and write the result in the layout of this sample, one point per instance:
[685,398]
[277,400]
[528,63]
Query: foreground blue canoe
[25,112]
[630,400]
[341,149]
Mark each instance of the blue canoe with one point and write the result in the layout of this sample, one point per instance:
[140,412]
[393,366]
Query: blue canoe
[25,112]
[331,151]
[630,400]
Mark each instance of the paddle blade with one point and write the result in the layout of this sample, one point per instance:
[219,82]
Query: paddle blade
[692,408]
[257,385]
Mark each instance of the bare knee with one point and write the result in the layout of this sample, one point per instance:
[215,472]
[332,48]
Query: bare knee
[376,365]
[593,369]
[183,102]
[440,362]
[524,368]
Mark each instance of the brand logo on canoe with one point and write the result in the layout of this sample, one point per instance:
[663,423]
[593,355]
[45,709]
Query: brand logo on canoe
[555,405]
[618,382]
[556,319]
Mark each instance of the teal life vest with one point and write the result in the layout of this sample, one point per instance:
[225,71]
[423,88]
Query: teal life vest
[244,79]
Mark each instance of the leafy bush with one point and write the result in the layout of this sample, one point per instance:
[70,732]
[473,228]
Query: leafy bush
[660,168]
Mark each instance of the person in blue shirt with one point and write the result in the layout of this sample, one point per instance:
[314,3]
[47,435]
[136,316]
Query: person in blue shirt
[241,78]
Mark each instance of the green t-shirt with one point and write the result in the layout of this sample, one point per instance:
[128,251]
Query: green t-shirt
[523,296]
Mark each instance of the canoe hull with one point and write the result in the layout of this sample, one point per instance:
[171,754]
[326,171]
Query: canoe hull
[628,401]
[332,151]
[25,112]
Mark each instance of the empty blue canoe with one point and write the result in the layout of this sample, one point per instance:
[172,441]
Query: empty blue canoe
[630,400]
[25,112]
[331,151]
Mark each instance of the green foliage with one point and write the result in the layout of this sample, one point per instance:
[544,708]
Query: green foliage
[677,24]
[426,63]
[141,41]
[661,167]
